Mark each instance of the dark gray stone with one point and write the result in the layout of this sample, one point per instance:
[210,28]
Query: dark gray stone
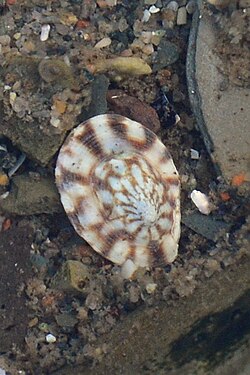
[167,54]
[29,196]
[207,226]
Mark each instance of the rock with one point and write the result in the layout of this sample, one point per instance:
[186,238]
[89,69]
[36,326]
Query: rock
[50,339]
[4,179]
[173,5]
[45,33]
[40,145]
[66,320]
[29,196]
[207,226]
[167,54]
[34,136]
[105,42]
[228,143]
[133,108]
[181,16]
[94,300]
[98,104]
[133,66]
[191,6]
[169,18]
[153,9]
[72,277]
[211,266]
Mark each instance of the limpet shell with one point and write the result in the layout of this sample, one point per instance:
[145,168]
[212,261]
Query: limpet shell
[121,191]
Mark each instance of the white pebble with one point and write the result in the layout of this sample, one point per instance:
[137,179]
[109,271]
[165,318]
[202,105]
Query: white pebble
[150,288]
[2,371]
[12,98]
[181,16]
[146,15]
[153,9]
[55,122]
[105,42]
[111,3]
[194,154]
[45,33]
[50,338]
[146,36]
[4,195]
[201,201]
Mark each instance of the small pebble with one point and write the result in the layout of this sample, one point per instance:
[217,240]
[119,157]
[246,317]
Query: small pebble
[191,6]
[153,9]
[146,16]
[55,122]
[12,98]
[122,24]
[106,3]
[194,154]
[181,16]
[173,5]
[33,322]
[17,36]
[150,288]
[201,201]
[68,19]
[146,36]
[50,338]
[5,40]
[105,42]
[148,49]
[169,17]
[45,33]
[156,38]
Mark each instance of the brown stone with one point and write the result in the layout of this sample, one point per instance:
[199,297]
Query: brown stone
[133,108]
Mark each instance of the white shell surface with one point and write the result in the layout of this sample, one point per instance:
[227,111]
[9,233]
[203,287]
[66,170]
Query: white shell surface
[121,190]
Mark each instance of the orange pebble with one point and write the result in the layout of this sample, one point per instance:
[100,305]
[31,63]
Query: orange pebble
[6,224]
[60,106]
[4,180]
[82,24]
[238,179]
[225,196]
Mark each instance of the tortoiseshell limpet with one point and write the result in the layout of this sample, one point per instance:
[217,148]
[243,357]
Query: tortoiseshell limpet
[121,191]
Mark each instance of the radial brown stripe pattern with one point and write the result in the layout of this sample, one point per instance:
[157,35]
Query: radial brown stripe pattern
[121,191]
